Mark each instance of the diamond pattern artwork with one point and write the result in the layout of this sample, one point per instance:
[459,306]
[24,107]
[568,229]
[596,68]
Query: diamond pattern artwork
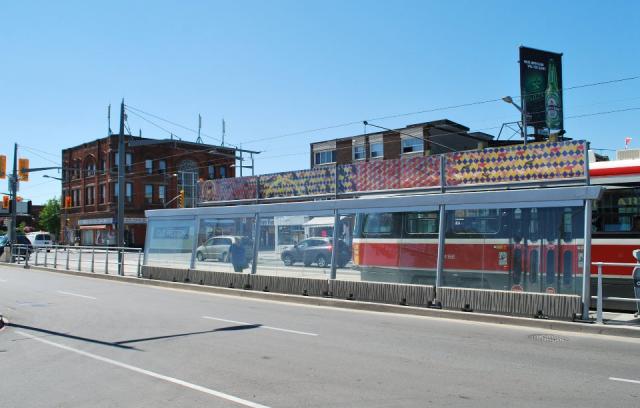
[545,161]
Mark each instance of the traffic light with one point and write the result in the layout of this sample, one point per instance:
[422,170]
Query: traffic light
[5,202]
[3,166]
[67,202]
[23,169]
[181,199]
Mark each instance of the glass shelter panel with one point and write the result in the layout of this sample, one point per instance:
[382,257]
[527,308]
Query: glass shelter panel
[532,249]
[225,244]
[296,245]
[395,247]
[170,242]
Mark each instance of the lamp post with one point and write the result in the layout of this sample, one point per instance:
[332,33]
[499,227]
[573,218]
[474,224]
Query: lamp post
[523,111]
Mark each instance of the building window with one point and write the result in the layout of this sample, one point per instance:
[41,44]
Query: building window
[127,161]
[359,152]
[102,193]
[148,193]
[103,166]
[376,150]
[90,170]
[162,193]
[128,191]
[223,172]
[89,198]
[162,166]
[148,166]
[75,198]
[412,145]
[328,156]
[212,172]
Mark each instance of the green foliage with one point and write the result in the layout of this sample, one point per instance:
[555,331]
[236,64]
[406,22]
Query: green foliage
[50,217]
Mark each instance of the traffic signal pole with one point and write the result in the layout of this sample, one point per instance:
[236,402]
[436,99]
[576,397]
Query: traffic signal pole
[13,189]
[121,190]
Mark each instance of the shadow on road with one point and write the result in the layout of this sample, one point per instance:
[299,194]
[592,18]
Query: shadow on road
[169,336]
[122,344]
[70,336]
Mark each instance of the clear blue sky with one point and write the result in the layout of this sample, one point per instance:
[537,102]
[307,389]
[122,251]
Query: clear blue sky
[276,67]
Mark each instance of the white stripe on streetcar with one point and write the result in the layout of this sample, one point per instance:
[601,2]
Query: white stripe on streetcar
[76,294]
[147,372]
[261,327]
[624,380]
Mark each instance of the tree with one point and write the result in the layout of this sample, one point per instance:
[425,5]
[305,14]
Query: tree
[50,217]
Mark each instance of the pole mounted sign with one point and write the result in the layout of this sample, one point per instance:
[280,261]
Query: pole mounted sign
[541,89]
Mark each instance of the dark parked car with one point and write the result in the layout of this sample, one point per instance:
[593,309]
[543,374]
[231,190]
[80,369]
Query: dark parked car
[23,251]
[316,250]
[218,248]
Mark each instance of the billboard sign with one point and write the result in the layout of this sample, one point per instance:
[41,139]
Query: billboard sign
[541,89]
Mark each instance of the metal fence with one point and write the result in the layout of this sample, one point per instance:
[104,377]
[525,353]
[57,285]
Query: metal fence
[107,260]
[600,298]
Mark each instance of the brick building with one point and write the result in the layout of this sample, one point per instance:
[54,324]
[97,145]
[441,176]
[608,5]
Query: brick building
[440,136]
[156,170]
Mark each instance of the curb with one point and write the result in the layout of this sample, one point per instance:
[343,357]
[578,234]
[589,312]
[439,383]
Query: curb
[585,328]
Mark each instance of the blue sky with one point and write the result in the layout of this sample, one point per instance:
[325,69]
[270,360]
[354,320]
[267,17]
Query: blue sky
[279,67]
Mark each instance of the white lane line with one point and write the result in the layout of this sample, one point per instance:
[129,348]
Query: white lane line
[196,387]
[624,380]
[3,280]
[261,327]
[76,294]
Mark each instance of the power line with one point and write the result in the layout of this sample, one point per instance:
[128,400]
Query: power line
[443,108]
[140,111]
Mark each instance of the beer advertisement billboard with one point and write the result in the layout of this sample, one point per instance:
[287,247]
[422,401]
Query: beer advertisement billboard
[541,89]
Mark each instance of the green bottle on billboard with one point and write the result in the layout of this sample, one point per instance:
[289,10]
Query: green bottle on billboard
[552,102]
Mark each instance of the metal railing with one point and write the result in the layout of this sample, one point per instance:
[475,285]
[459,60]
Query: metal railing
[599,297]
[93,259]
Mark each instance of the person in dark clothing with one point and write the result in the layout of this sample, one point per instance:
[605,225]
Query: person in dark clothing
[238,257]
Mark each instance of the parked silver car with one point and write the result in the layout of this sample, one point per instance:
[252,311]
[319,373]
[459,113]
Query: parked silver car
[218,248]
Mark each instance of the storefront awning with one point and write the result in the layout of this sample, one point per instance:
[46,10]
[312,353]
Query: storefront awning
[93,227]
[321,222]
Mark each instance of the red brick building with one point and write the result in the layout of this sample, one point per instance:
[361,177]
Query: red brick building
[156,171]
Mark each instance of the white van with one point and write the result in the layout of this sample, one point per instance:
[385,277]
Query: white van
[40,239]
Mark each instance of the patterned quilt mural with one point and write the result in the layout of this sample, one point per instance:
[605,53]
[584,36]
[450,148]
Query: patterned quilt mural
[389,174]
[298,183]
[239,188]
[535,162]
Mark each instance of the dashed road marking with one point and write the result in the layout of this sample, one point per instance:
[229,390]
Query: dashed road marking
[183,383]
[624,380]
[261,326]
[76,294]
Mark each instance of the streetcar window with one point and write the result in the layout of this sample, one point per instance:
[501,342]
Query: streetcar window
[378,224]
[422,223]
[618,211]
[482,221]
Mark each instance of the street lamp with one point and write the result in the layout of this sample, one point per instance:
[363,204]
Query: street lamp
[522,110]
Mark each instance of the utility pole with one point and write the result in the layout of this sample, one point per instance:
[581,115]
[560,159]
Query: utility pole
[121,189]
[13,188]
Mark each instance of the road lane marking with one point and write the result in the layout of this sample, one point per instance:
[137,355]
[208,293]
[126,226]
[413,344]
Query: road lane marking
[624,380]
[76,294]
[261,326]
[3,280]
[186,384]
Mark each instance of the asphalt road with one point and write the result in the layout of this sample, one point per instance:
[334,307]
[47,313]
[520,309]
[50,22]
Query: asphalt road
[80,342]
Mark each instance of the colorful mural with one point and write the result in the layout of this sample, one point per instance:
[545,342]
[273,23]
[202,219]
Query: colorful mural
[382,175]
[239,188]
[298,183]
[535,162]
[545,161]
